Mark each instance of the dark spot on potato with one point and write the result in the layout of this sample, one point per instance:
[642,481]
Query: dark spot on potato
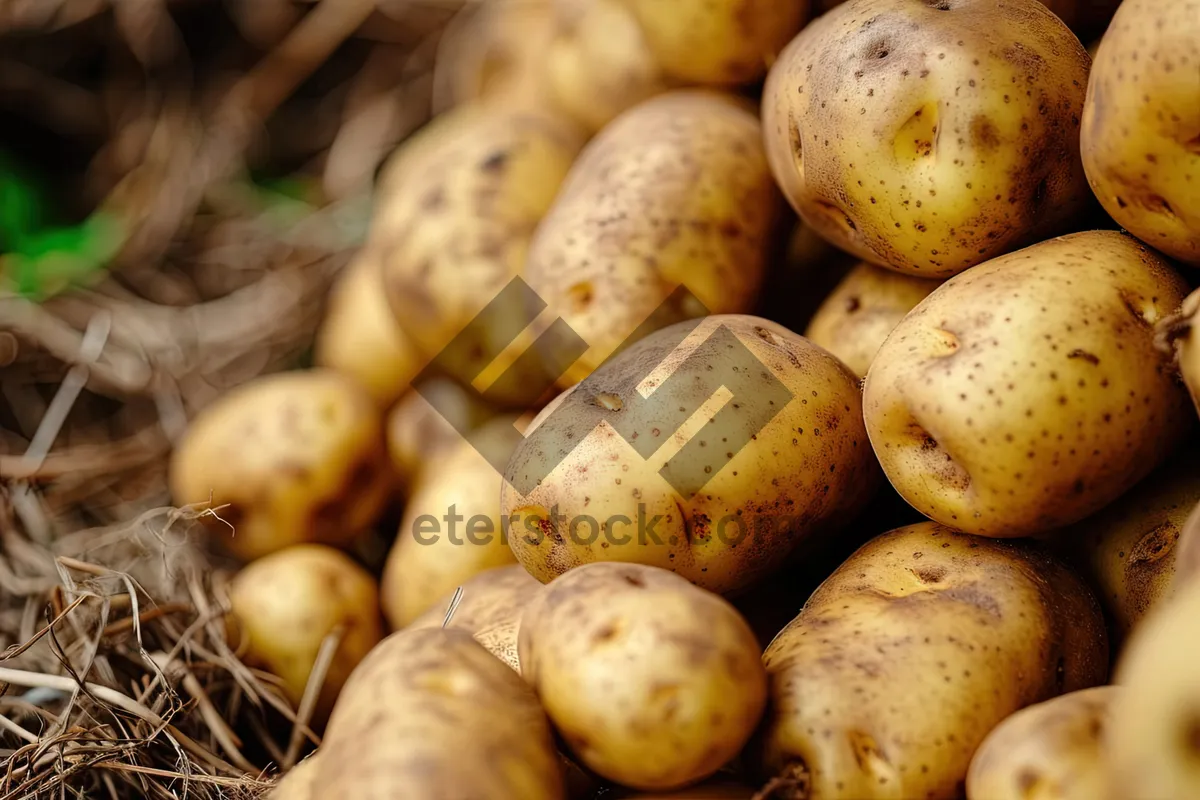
[853,304]
[1027,781]
[929,574]
[495,162]
[634,580]
[984,134]
[1085,355]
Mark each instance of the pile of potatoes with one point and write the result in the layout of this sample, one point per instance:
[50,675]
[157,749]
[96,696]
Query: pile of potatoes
[833,440]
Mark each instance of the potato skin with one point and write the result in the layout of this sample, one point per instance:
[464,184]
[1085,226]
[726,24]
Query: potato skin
[633,221]
[911,652]
[297,784]
[1027,393]
[458,205]
[429,557]
[653,682]
[296,456]
[285,604]
[862,310]
[490,609]
[1153,742]
[1128,549]
[1055,746]
[433,712]
[1141,124]
[803,474]
[932,160]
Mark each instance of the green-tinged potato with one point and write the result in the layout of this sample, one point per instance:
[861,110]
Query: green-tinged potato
[426,422]
[742,481]
[359,336]
[1179,330]
[864,308]
[430,713]
[1141,124]
[293,457]
[1153,743]
[451,527]
[458,205]
[1187,559]
[490,609]
[930,136]
[1027,393]
[284,606]
[297,784]
[675,192]
[652,682]
[1128,548]
[910,653]
[1049,751]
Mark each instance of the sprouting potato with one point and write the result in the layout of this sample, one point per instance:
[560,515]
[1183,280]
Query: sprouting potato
[652,682]
[451,528]
[864,308]
[1141,124]
[429,713]
[910,653]
[1153,740]
[929,136]
[742,482]
[359,336]
[292,457]
[634,222]
[1051,751]
[287,603]
[1027,393]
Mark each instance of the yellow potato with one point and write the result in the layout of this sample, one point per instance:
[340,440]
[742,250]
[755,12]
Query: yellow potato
[1141,124]
[739,497]
[430,713]
[633,222]
[285,604]
[1153,743]
[911,652]
[1129,548]
[860,313]
[359,336]
[297,784]
[930,136]
[419,432]
[458,205]
[489,609]
[294,456]
[1049,751]
[652,682]
[1027,393]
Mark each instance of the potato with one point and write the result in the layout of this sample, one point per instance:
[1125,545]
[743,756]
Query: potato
[609,55]
[864,308]
[432,714]
[458,206]
[1128,549]
[898,131]
[294,457]
[1051,751]
[451,528]
[359,336]
[297,784]
[785,460]
[1153,743]
[652,682]
[633,222]
[419,431]
[285,604]
[1027,393]
[911,652]
[1141,124]
[490,609]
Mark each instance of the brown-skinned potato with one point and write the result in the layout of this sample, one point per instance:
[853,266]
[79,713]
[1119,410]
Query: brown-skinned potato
[633,223]
[911,652]
[897,129]
[1052,751]
[293,457]
[1141,124]
[1027,393]
[753,494]
[862,310]
[652,682]
[433,712]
